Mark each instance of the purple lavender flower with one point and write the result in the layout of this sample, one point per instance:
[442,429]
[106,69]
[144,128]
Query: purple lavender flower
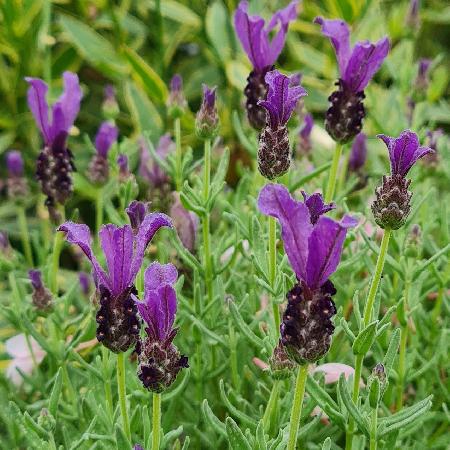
[314,248]
[304,143]
[274,149]
[42,297]
[423,74]
[55,162]
[358,154]
[316,206]
[207,119]
[176,102]
[85,282]
[122,162]
[118,325]
[357,67]
[98,170]
[159,359]
[412,17]
[17,186]
[392,204]
[262,52]
[185,222]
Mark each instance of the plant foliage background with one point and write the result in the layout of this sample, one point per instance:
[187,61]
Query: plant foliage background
[138,46]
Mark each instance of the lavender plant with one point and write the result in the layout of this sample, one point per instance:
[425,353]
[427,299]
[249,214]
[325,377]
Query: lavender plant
[188,319]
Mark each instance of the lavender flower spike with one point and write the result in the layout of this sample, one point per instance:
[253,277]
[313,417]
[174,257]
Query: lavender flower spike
[42,297]
[159,359]
[118,326]
[98,167]
[274,149]
[207,119]
[17,185]
[357,66]
[176,102]
[392,204]
[55,162]
[262,52]
[313,246]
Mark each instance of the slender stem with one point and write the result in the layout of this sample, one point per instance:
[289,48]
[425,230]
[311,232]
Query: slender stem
[343,173]
[25,237]
[122,393]
[156,421]
[373,429]
[401,367]
[71,394]
[367,316]
[206,222]
[178,155]
[57,248]
[107,381]
[272,269]
[296,411]
[30,349]
[271,405]
[99,209]
[377,276]
[333,173]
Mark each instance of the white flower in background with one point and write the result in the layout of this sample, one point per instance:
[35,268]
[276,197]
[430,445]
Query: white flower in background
[18,348]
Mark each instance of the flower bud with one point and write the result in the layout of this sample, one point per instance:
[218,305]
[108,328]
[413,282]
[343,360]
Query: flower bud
[110,107]
[376,385]
[413,242]
[281,366]
[176,102]
[17,186]
[46,420]
[42,297]
[207,119]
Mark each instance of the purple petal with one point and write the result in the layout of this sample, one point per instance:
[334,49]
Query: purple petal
[404,151]
[158,274]
[295,79]
[275,200]
[308,124]
[79,234]
[38,105]
[150,225]
[136,213]
[185,222]
[14,163]
[364,62]
[105,138]
[122,162]
[325,247]
[85,282]
[209,96]
[338,32]
[70,99]
[358,153]
[117,245]
[176,83]
[35,278]
[316,206]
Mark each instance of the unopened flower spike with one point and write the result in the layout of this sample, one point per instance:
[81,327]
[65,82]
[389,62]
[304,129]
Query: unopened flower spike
[357,66]
[262,51]
[110,106]
[274,152]
[42,297]
[124,171]
[159,359]
[313,244]
[98,170]
[118,324]
[392,204]
[17,185]
[55,161]
[176,102]
[207,119]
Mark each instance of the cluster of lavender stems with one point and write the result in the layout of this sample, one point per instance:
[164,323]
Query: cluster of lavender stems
[278,101]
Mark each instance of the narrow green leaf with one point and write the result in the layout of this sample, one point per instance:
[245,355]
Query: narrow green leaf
[236,438]
[121,438]
[365,339]
[242,326]
[211,418]
[55,394]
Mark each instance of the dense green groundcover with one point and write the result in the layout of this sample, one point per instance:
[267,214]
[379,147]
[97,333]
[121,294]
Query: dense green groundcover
[228,398]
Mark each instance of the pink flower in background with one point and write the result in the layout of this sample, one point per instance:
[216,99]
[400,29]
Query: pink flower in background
[21,357]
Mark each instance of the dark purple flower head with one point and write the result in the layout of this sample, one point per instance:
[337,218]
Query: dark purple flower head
[281,99]
[160,300]
[316,206]
[105,138]
[404,151]
[313,250]
[55,128]
[357,66]
[255,36]
[358,153]
[149,169]
[136,213]
[185,222]
[35,278]
[85,282]
[14,163]
[123,249]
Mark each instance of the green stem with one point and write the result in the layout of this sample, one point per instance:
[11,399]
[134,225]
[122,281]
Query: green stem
[272,270]
[355,394]
[206,222]
[156,421]
[376,278]
[373,429]
[107,381]
[333,173]
[99,209]
[57,248]
[71,394]
[296,411]
[23,227]
[343,173]
[271,405]
[178,155]
[401,367]
[122,393]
